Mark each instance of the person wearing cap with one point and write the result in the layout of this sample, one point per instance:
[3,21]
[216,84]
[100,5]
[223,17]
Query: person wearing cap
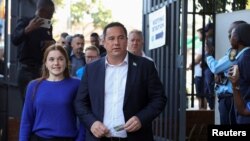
[223,87]
[68,40]
[62,40]
[198,80]
[209,30]
[32,38]
[240,73]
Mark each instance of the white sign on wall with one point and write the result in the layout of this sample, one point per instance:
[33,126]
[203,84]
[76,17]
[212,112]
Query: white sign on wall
[157,28]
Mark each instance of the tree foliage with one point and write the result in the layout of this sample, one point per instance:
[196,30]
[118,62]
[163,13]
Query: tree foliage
[219,6]
[58,2]
[88,10]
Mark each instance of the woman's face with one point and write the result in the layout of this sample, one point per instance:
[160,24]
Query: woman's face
[55,63]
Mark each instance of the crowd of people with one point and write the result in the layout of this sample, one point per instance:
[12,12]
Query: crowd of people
[230,81]
[203,77]
[110,90]
[226,77]
[73,93]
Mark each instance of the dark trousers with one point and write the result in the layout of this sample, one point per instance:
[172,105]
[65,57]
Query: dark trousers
[113,139]
[34,137]
[26,73]
[198,81]
[226,109]
[209,87]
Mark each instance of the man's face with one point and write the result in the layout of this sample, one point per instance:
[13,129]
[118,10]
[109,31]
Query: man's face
[62,41]
[77,45]
[91,55]
[46,12]
[115,42]
[200,35]
[233,40]
[94,41]
[135,44]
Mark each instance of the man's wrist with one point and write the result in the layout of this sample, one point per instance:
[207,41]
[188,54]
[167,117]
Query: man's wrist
[208,54]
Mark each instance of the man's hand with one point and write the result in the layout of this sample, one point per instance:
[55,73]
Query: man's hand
[33,24]
[209,50]
[133,124]
[99,130]
[234,74]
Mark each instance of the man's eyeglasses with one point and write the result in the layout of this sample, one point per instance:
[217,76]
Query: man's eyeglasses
[91,57]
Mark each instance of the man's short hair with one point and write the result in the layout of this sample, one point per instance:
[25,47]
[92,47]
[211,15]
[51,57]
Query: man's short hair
[44,3]
[114,24]
[94,48]
[242,34]
[235,24]
[138,32]
[208,27]
[94,34]
[64,34]
[78,35]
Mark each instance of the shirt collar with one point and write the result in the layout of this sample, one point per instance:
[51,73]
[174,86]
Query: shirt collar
[143,53]
[243,50]
[125,61]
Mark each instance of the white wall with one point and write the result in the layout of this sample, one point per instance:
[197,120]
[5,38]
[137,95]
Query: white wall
[223,22]
[222,44]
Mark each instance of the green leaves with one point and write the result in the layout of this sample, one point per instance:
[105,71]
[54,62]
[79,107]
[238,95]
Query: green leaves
[87,11]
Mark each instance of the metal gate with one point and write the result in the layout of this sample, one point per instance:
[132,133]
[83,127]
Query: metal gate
[170,59]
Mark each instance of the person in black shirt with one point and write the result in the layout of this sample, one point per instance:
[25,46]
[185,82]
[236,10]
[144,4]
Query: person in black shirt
[32,35]
[95,41]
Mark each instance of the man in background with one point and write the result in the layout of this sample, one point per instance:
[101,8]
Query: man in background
[91,54]
[223,87]
[240,40]
[95,41]
[129,95]
[77,59]
[32,35]
[136,43]
[62,40]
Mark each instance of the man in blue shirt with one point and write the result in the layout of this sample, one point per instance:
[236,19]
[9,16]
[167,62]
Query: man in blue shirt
[223,87]
[92,53]
[77,59]
[240,78]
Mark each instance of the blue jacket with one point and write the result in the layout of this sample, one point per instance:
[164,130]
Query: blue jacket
[221,66]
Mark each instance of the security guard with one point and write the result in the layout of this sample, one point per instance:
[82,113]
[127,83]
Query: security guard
[223,87]
[240,40]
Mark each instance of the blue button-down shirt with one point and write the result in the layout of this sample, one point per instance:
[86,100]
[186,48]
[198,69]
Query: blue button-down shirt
[221,66]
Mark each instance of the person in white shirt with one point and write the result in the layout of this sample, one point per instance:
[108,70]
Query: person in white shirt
[120,94]
[135,43]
